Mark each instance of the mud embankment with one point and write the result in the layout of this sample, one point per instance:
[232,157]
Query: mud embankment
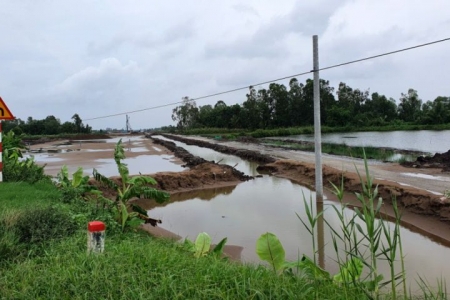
[244,154]
[438,161]
[411,199]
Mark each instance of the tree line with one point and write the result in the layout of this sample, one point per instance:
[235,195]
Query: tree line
[292,106]
[48,126]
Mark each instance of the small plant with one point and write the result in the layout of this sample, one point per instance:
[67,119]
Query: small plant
[202,246]
[127,213]
[77,187]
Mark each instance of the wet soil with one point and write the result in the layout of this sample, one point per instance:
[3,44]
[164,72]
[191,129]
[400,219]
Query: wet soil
[437,161]
[242,153]
[421,209]
[43,140]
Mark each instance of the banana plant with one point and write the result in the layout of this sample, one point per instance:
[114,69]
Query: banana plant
[202,246]
[128,214]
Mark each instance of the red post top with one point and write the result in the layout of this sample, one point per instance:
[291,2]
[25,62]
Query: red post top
[96,226]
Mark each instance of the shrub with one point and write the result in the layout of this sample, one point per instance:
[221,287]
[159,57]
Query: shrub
[43,224]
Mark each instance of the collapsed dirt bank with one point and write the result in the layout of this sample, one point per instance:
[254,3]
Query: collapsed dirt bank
[437,161]
[244,154]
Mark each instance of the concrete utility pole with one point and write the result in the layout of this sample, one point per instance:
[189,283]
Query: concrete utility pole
[317,130]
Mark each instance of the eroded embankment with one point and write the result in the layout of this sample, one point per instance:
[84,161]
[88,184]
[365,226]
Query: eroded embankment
[242,153]
[412,199]
[201,174]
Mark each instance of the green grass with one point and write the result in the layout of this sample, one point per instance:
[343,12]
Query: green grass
[137,266]
[22,195]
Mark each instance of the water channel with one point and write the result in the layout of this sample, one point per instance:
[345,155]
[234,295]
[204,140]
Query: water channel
[271,204]
[427,141]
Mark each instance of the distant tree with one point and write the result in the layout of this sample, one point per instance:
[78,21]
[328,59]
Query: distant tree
[78,122]
[409,109]
[186,114]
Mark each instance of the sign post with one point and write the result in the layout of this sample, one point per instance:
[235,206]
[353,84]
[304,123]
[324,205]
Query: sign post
[5,114]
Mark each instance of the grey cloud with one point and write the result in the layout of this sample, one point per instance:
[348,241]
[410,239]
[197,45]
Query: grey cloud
[148,39]
[245,9]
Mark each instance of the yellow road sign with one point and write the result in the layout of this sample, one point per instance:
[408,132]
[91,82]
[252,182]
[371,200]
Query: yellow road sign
[5,113]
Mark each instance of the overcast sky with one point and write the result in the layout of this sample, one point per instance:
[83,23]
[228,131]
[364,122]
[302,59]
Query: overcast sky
[95,58]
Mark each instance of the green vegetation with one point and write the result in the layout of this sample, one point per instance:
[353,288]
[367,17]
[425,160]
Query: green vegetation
[292,107]
[43,251]
[129,188]
[361,240]
[48,126]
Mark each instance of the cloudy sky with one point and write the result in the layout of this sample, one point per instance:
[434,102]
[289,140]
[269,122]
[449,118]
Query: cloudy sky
[95,58]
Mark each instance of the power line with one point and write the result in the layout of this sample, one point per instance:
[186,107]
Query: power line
[273,80]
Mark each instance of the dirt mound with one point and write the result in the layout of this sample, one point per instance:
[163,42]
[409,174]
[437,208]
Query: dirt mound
[200,176]
[42,140]
[410,198]
[245,154]
[439,161]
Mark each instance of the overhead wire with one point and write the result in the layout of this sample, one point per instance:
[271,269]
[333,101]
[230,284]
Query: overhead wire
[273,80]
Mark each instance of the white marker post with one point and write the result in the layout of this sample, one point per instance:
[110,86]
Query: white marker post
[96,237]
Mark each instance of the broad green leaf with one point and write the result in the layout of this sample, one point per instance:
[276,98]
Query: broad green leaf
[350,271]
[139,209]
[189,245]
[202,244]
[142,180]
[311,270]
[218,249]
[77,177]
[269,249]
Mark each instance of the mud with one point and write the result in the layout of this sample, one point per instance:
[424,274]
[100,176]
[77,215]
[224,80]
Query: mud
[43,140]
[244,154]
[421,209]
[437,161]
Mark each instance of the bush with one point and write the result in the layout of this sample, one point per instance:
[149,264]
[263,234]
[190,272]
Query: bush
[43,224]
[27,171]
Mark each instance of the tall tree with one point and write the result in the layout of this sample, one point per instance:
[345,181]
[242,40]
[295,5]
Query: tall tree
[409,109]
[78,122]
[186,114]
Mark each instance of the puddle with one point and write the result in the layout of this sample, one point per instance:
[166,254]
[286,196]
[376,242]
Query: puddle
[270,204]
[247,167]
[43,158]
[144,164]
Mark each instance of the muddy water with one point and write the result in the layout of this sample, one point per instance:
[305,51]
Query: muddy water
[247,167]
[271,204]
[144,162]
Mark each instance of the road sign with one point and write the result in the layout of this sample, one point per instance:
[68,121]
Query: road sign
[5,113]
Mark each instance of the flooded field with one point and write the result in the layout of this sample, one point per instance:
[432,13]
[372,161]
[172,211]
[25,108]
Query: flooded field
[142,156]
[271,204]
[243,212]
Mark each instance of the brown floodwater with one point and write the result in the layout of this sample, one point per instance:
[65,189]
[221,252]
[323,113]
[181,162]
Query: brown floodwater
[271,204]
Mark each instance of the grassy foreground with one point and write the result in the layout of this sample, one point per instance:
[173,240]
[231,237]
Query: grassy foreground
[134,265]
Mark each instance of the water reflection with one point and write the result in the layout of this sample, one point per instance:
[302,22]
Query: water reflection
[421,140]
[247,167]
[271,204]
